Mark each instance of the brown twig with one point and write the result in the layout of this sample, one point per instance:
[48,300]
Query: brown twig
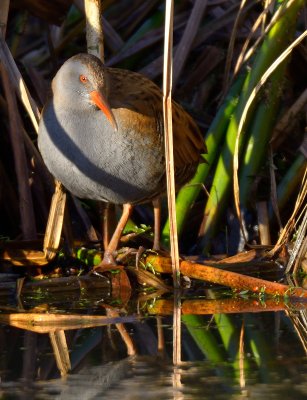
[231,279]
[238,281]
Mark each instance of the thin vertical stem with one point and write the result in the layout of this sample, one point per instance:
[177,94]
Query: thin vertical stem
[168,131]
[94,34]
[170,179]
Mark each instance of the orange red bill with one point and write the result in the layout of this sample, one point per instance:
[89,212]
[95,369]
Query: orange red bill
[98,99]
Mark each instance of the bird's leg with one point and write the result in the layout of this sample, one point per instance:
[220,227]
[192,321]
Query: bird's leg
[108,258]
[108,222]
[157,223]
[104,210]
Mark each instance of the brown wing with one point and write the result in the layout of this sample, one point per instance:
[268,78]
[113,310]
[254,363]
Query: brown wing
[138,93]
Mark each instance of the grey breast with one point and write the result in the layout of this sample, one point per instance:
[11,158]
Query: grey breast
[93,161]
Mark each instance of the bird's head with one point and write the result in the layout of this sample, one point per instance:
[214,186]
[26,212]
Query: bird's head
[81,83]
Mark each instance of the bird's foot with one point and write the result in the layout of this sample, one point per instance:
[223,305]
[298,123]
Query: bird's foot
[108,258]
[108,263]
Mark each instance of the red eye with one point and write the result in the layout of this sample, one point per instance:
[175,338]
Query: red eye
[83,78]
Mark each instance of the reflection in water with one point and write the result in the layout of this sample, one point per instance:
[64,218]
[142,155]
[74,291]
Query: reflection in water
[299,321]
[273,362]
[150,378]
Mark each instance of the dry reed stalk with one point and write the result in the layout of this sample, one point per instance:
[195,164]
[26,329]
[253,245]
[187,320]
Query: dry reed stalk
[19,84]
[227,18]
[177,328]
[15,127]
[160,335]
[301,259]
[299,321]
[39,172]
[60,351]
[226,79]
[94,35]
[168,135]
[252,32]
[300,201]
[185,45]
[48,322]
[263,223]
[267,5]
[170,175]
[299,241]
[278,14]
[153,69]
[250,100]
[241,358]
[55,222]
[24,257]
[11,76]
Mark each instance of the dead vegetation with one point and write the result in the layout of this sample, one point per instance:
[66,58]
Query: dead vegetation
[239,69]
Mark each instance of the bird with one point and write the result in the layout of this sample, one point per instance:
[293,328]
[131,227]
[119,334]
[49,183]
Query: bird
[101,135]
